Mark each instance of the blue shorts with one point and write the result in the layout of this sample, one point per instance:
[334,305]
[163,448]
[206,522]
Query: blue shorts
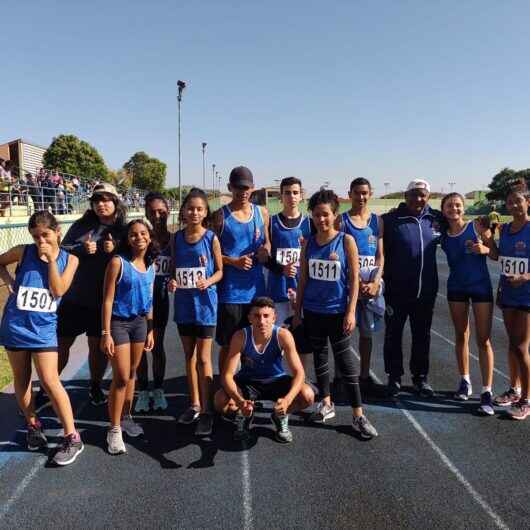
[475,297]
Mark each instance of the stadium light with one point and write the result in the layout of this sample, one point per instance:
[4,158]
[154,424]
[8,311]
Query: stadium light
[181,85]
[204,144]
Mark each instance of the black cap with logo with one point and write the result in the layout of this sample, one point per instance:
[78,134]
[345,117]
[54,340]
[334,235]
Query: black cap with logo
[241,177]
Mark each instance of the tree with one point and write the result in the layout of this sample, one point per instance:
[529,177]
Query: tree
[68,154]
[147,173]
[120,178]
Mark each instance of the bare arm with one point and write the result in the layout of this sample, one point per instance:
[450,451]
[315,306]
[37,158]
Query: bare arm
[266,222]
[58,283]
[230,368]
[13,255]
[109,290]
[352,258]
[217,276]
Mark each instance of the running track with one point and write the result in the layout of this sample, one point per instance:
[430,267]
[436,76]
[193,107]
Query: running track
[436,464]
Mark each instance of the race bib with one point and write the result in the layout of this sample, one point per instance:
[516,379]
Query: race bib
[187,277]
[366,261]
[36,299]
[284,256]
[323,269]
[162,265]
[512,266]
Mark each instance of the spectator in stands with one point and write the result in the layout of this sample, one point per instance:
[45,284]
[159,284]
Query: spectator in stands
[34,191]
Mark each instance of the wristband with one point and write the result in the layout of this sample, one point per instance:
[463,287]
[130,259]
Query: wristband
[105,332]
[149,325]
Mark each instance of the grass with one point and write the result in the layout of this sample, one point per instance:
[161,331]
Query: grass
[6,375]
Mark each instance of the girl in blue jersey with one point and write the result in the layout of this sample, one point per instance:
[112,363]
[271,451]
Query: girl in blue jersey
[197,268]
[469,283]
[157,211]
[327,294]
[29,327]
[127,319]
[513,254]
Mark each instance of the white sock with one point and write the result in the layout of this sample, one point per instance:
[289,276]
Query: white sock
[466,378]
[486,389]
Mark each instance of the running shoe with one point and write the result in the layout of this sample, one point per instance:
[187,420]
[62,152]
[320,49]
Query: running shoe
[115,441]
[364,428]
[130,427]
[283,434]
[463,391]
[242,423]
[35,438]
[486,404]
[422,388]
[159,399]
[96,395]
[189,415]
[70,449]
[142,401]
[204,425]
[519,410]
[506,399]
[393,387]
[323,413]
[41,399]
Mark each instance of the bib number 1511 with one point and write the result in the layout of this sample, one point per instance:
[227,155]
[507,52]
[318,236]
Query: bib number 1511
[323,269]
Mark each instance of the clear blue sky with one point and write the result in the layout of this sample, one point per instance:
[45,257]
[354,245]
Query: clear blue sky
[389,90]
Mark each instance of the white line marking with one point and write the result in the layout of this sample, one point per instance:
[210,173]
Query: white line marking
[248,521]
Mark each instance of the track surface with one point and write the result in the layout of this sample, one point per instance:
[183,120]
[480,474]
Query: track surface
[436,463]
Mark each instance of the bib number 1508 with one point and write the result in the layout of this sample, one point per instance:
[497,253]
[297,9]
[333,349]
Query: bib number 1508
[36,299]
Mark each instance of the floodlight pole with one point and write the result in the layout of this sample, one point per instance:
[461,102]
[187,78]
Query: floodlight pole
[204,144]
[181,85]
[213,181]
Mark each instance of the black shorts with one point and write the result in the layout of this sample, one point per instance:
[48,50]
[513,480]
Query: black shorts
[269,391]
[523,308]
[230,318]
[74,320]
[128,330]
[160,309]
[196,330]
[45,349]
[473,297]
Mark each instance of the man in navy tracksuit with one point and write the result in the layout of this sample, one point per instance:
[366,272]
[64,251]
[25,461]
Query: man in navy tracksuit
[411,282]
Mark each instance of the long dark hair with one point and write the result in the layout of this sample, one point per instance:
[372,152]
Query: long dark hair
[196,193]
[153,249]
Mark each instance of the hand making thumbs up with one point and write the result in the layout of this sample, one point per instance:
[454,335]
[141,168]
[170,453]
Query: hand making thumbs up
[108,244]
[90,246]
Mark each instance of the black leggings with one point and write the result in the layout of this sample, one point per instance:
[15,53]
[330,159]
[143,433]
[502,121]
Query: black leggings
[319,327]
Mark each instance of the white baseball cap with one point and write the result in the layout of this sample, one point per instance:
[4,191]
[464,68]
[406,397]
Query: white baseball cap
[419,184]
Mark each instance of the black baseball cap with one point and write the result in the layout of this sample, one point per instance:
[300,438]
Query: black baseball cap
[241,176]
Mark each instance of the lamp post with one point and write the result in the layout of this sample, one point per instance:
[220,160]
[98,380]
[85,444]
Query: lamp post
[213,181]
[451,185]
[181,85]
[216,180]
[204,144]
[387,185]
[219,182]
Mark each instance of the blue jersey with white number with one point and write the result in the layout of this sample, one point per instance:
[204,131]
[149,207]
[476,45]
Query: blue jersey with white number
[326,290]
[514,257]
[286,244]
[194,261]
[30,314]
[365,238]
[239,238]
[261,366]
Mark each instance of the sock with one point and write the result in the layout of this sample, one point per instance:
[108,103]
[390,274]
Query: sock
[517,390]
[466,378]
[486,389]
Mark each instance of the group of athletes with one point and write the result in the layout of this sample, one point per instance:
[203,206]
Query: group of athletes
[272,290]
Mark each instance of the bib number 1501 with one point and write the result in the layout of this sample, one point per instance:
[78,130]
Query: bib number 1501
[323,269]
[36,299]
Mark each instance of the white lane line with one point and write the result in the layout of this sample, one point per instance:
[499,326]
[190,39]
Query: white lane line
[248,518]
[494,316]
[496,370]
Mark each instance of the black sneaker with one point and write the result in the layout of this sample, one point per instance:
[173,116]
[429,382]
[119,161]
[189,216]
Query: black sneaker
[70,449]
[35,438]
[96,395]
[242,423]
[422,388]
[393,388]
[204,425]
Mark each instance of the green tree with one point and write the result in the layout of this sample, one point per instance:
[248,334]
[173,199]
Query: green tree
[147,173]
[69,154]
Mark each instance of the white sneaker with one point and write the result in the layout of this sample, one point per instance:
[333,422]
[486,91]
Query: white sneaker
[115,441]
[142,402]
[130,427]
[323,412]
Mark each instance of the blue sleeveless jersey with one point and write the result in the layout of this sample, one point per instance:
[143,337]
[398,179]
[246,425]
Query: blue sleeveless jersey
[468,272]
[134,291]
[365,238]
[326,290]
[514,257]
[30,314]
[261,366]
[194,261]
[237,239]
[286,244]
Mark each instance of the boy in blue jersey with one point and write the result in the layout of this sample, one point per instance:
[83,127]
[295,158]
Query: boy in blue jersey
[245,246]
[260,348]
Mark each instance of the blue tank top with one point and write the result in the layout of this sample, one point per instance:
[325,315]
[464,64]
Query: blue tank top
[286,244]
[261,366]
[30,314]
[326,290]
[194,261]
[514,255]
[365,238]
[468,272]
[134,291]
[237,239]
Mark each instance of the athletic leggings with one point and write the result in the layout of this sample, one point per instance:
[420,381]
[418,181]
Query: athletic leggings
[319,327]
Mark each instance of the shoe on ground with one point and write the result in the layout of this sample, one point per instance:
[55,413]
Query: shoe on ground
[393,387]
[159,399]
[364,428]
[323,413]
[422,388]
[486,404]
[132,428]
[464,391]
[204,425]
[70,449]
[97,396]
[41,400]
[283,433]
[507,399]
[519,410]
[115,441]
[35,438]
[242,424]
[189,415]
[142,401]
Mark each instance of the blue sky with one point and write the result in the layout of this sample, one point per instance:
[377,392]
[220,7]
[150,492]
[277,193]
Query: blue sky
[389,90]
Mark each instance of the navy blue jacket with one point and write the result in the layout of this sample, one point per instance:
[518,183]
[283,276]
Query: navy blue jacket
[410,253]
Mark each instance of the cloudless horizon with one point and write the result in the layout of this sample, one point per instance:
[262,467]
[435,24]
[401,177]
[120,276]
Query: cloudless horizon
[326,91]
